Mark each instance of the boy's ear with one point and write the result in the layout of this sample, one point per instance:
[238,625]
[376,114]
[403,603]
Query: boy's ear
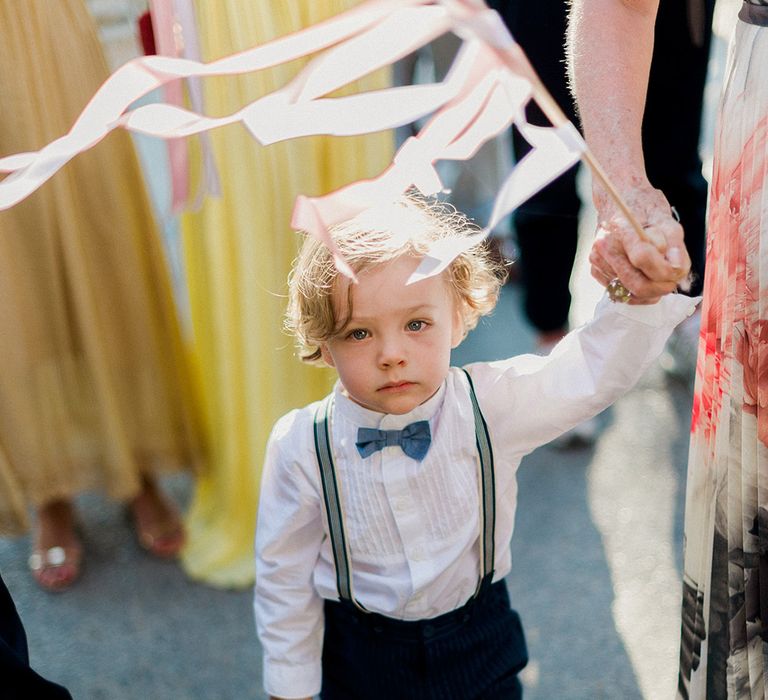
[326,355]
[458,331]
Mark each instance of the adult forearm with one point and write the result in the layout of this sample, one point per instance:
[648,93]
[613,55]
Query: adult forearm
[610,45]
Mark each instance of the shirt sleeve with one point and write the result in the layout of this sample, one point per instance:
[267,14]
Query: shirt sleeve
[289,533]
[529,400]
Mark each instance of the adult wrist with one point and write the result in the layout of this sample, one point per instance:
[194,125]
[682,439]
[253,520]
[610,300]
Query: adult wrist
[630,187]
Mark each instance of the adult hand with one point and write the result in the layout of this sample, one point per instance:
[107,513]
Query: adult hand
[648,268]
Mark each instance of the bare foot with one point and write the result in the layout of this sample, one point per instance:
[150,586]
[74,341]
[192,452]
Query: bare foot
[158,525]
[57,550]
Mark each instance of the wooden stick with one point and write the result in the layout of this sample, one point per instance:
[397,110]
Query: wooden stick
[516,59]
[555,115]
[553,112]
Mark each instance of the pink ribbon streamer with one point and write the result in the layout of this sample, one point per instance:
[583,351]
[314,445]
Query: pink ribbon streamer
[167,33]
[209,183]
[486,89]
[176,35]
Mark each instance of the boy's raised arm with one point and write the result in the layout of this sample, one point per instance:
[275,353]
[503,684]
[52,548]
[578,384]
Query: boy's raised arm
[535,399]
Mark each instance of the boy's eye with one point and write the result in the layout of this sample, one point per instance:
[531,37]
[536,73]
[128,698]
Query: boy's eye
[358,334]
[415,325]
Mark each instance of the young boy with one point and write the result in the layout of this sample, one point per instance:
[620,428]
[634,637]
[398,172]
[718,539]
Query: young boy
[387,509]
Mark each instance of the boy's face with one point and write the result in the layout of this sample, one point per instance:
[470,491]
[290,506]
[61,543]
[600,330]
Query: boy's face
[394,351]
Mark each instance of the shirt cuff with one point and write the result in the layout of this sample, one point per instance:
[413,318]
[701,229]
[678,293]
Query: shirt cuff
[292,680]
[670,310]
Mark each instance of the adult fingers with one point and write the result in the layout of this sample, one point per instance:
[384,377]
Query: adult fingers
[602,271]
[658,261]
[631,276]
[599,267]
[660,231]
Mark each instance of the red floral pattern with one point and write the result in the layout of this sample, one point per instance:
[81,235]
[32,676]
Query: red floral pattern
[733,337]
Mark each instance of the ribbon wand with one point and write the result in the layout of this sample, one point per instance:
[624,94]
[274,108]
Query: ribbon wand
[511,54]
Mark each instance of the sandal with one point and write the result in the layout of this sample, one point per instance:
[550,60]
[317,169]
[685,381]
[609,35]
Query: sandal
[158,526]
[163,540]
[57,568]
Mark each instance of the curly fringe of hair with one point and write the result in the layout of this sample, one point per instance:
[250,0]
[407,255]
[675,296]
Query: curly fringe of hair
[407,226]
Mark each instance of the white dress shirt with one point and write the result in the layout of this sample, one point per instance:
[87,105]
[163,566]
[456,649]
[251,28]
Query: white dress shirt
[413,526]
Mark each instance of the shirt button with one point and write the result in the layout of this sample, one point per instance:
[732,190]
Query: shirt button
[400,505]
[418,554]
[428,631]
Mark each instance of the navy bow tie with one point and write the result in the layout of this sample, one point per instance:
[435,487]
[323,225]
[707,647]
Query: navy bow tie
[414,439]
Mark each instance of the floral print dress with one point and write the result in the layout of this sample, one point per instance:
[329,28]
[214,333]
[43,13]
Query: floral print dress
[724,649]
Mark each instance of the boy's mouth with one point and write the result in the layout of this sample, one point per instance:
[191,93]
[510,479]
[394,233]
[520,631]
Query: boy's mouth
[396,386]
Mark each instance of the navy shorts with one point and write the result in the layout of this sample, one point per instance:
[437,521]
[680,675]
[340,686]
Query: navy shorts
[473,653]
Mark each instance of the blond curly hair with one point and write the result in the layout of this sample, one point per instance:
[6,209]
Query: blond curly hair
[406,226]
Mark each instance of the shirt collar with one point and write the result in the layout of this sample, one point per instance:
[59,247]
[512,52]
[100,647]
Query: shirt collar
[366,418]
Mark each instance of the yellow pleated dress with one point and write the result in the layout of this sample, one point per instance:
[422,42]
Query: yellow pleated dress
[94,382]
[238,250]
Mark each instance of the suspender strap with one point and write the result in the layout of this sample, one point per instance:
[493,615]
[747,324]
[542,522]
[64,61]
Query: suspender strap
[754,14]
[331,497]
[328,477]
[487,487]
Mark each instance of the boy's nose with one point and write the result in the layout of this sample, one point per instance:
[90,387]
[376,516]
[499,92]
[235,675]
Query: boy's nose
[391,355]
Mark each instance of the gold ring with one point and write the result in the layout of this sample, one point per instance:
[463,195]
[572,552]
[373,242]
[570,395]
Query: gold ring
[617,292]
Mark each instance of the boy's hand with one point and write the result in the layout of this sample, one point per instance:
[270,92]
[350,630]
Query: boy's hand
[648,268]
